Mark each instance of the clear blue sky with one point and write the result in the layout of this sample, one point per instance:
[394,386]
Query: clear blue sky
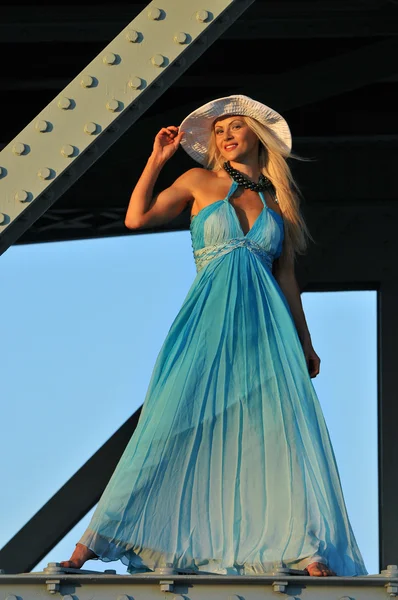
[82,323]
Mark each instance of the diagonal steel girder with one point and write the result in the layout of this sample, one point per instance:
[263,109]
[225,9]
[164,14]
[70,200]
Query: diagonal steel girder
[101,103]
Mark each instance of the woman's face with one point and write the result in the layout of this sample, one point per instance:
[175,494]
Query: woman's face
[234,138]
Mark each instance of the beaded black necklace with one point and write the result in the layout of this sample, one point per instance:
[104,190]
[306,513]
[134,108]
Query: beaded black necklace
[242,179]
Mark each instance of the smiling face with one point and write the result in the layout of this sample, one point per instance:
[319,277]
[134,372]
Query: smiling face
[234,139]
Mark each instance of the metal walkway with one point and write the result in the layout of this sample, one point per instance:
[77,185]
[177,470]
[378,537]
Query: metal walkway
[167,585]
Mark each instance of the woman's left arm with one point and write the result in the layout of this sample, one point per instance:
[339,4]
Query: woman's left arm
[283,271]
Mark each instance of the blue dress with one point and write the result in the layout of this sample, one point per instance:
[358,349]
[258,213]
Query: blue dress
[230,469]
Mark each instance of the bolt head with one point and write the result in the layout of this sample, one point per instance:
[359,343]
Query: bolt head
[155,14]
[44,173]
[21,196]
[109,59]
[135,83]
[132,36]
[90,128]
[202,16]
[18,148]
[41,126]
[157,60]
[86,81]
[181,38]
[67,151]
[64,103]
[112,105]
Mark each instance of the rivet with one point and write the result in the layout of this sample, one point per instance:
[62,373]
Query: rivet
[64,103]
[155,14]
[44,173]
[90,128]
[21,196]
[67,150]
[202,16]
[112,105]
[135,83]
[18,148]
[86,81]
[2,219]
[180,38]
[157,60]
[109,59]
[132,36]
[41,126]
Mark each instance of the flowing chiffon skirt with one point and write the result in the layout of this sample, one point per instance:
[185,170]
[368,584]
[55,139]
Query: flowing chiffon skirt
[230,469]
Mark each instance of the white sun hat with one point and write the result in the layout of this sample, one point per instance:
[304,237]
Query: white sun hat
[198,125]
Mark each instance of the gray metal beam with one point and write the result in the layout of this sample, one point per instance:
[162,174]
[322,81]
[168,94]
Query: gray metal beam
[166,583]
[101,103]
[271,20]
[388,413]
[67,507]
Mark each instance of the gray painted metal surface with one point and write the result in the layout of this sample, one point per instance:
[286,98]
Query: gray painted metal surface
[101,103]
[164,584]
[292,20]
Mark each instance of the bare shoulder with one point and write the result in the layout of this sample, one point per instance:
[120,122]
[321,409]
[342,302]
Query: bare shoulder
[195,177]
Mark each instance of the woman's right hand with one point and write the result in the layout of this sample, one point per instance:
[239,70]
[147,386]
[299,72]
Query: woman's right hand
[166,142]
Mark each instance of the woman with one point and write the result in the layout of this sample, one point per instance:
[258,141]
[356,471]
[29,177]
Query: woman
[230,469]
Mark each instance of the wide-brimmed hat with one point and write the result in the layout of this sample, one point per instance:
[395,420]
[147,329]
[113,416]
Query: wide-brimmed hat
[198,125]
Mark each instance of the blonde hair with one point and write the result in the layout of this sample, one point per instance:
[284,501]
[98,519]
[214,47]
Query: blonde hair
[273,164]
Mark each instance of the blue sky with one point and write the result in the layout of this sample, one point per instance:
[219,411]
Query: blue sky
[82,325]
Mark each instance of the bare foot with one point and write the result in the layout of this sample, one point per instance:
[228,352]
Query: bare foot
[80,554]
[318,569]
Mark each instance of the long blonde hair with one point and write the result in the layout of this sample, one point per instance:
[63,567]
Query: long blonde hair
[273,164]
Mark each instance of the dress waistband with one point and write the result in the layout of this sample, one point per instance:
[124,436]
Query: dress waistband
[205,255]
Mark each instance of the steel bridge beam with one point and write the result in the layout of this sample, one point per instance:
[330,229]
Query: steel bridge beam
[101,103]
[270,20]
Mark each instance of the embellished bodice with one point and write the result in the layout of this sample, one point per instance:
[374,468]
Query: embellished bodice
[216,230]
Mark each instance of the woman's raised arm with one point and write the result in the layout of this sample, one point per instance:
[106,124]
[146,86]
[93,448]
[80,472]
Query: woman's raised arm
[143,209]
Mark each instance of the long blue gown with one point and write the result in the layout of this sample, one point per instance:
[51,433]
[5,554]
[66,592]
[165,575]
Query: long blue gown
[231,468]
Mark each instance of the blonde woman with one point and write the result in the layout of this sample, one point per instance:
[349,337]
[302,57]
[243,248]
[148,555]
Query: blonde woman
[230,469]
